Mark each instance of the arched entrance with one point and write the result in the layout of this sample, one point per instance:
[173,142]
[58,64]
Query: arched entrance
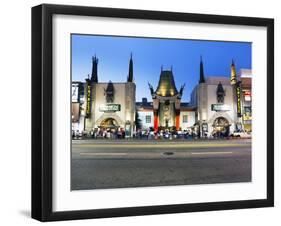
[109,124]
[221,127]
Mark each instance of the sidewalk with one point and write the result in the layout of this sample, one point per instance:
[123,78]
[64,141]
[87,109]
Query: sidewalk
[134,140]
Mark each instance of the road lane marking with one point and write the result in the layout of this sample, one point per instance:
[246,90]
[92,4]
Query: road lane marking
[212,153]
[100,154]
[149,153]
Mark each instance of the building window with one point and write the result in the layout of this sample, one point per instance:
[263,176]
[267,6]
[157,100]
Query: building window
[148,119]
[184,119]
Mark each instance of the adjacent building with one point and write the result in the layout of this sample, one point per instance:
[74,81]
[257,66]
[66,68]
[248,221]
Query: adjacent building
[245,76]
[105,106]
[219,102]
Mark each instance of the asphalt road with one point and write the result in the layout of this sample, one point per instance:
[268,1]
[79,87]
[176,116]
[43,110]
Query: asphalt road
[119,164]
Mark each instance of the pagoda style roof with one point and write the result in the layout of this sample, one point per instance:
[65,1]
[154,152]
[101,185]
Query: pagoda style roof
[166,86]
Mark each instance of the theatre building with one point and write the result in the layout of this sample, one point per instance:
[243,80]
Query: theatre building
[166,111]
[104,106]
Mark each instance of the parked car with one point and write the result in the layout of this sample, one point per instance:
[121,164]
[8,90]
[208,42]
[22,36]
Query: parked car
[242,134]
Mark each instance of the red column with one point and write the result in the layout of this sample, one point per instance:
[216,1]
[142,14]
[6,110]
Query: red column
[156,121]
[177,122]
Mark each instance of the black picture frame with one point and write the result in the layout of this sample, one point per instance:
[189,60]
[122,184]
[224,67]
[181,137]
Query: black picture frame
[42,111]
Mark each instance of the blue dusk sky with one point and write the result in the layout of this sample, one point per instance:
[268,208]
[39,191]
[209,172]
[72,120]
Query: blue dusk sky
[150,53]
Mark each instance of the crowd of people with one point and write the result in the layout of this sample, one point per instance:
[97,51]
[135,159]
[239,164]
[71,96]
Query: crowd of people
[165,134]
[148,134]
[99,134]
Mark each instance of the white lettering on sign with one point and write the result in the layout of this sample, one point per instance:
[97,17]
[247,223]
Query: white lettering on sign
[220,107]
[110,107]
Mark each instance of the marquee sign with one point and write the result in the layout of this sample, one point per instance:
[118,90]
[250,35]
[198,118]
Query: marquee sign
[220,107]
[110,108]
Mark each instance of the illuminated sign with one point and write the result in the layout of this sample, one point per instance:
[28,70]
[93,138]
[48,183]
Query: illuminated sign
[247,114]
[220,107]
[247,117]
[247,95]
[89,98]
[110,108]
[238,95]
[75,90]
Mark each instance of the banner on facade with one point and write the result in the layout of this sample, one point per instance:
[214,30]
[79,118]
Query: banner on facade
[238,95]
[89,99]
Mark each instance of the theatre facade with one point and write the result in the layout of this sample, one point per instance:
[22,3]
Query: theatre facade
[218,104]
[166,111]
[223,102]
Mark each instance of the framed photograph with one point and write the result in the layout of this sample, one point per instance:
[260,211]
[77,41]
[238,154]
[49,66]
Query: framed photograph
[145,112]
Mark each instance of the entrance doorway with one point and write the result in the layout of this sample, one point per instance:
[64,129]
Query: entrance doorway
[109,124]
[109,128]
[221,127]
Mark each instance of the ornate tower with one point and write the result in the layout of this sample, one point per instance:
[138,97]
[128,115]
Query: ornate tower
[130,75]
[202,77]
[201,96]
[233,76]
[94,76]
